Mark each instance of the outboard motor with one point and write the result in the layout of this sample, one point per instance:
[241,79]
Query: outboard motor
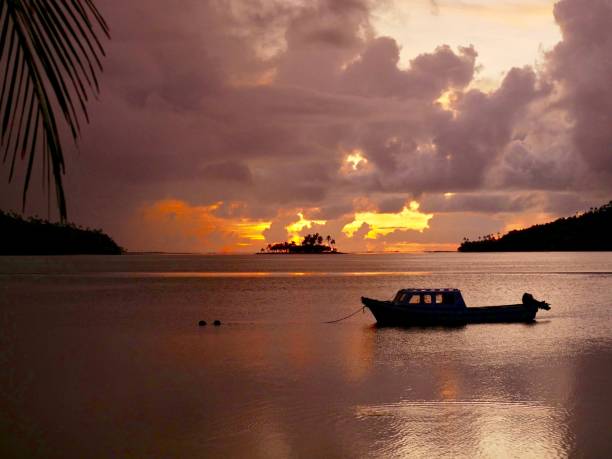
[529,300]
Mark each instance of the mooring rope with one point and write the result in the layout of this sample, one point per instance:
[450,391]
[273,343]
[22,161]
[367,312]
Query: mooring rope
[345,317]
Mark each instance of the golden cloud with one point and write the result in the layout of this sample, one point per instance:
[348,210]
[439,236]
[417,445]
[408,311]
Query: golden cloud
[294,228]
[409,218]
[356,160]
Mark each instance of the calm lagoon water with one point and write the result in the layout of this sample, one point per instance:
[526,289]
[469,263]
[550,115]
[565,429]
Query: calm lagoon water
[102,357]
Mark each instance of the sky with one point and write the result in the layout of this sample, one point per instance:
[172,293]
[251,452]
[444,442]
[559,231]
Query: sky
[391,125]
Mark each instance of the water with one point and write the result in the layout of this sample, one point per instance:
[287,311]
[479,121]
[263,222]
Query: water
[102,357]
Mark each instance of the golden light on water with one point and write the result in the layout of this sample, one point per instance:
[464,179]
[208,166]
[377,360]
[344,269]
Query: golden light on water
[263,274]
[410,247]
[409,218]
[435,428]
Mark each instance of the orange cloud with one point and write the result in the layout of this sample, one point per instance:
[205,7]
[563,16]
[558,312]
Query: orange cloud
[525,220]
[174,223]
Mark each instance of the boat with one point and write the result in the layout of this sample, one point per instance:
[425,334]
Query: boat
[445,306]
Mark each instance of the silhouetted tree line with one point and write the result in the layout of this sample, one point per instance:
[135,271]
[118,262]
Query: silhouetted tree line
[588,231]
[312,243]
[35,236]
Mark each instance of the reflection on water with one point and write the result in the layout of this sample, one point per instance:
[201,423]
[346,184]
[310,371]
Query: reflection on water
[103,357]
[248,274]
[470,428]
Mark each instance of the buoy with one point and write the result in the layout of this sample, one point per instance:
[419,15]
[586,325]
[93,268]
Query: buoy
[201,323]
[217,323]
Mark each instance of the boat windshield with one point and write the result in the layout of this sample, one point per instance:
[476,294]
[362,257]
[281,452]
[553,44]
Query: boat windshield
[447,298]
[407,298]
[430,298]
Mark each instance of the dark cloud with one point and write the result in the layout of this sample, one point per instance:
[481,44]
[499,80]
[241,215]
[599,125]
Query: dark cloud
[483,127]
[581,63]
[441,152]
[320,39]
[376,72]
[334,211]
[489,203]
[259,103]
[550,167]
[227,171]
[392,204]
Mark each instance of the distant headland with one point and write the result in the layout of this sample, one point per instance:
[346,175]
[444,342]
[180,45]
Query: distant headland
[311,244]
[588,231]
[35,236]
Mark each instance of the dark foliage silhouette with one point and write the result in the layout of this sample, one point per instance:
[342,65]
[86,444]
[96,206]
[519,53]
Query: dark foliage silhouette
[312,243]
[40,237]
[589,231]
[50,54]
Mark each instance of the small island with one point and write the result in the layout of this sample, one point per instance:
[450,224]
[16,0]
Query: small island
[587,231]
[35,236]
[311,244]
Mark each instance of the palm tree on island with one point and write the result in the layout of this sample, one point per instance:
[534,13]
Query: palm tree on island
[311,244]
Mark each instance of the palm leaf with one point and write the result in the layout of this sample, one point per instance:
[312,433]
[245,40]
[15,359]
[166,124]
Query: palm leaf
[49,53]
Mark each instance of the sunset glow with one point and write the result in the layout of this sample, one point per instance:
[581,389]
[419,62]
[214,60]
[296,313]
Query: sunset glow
[306,228]
[326,116]
[446,100]
[385,223]
[411,247]
[198,225]
[294,229]
[356,160]
[527,220]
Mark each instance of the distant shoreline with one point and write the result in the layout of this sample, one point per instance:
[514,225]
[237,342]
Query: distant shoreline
[300,253]
[584,232]
[35,236]
[244,254]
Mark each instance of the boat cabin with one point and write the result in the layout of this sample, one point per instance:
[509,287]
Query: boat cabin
[445,297]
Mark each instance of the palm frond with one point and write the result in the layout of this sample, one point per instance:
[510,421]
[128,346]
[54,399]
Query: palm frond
[50,53]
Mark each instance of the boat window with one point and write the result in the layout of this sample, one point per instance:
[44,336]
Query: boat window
[439,298]
[404,298]
[449,298]
[414,299]
[427,299]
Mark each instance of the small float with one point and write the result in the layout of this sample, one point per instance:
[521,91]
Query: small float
[445,306]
